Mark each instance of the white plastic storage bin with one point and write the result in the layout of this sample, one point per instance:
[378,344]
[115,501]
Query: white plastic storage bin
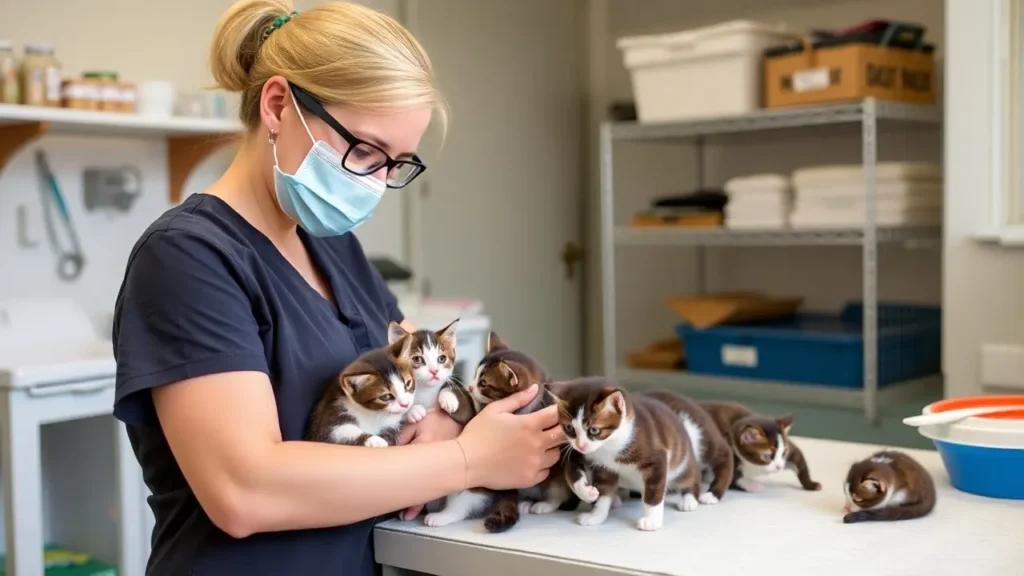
[704,72]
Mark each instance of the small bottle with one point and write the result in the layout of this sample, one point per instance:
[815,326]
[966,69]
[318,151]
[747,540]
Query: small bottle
[9,89]
[40,76]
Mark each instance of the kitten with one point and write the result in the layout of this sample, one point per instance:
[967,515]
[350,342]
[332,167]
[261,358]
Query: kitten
[630,441]
[365,403]
[500,374]
[761,445]
[889,485]
[433,361]
[710,448]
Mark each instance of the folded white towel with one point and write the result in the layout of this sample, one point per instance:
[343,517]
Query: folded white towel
[755,183]
[885,189]
[803,218]
[859,203]
[854,173]
[758,211]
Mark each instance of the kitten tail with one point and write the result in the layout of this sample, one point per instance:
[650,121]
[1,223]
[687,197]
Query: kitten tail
[504,514]
[906,512]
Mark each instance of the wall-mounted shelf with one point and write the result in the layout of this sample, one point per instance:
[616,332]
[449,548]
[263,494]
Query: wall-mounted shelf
[670,236]
[189,140]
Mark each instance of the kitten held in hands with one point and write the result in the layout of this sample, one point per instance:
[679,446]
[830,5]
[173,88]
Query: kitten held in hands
[630,441]
[433,361]
[364,405]
[888,486]
[761,445]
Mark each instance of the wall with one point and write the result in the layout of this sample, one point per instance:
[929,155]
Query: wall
[982,283]
[175,37]
[827,276]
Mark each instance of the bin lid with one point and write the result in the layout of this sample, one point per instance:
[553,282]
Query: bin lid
[694,35]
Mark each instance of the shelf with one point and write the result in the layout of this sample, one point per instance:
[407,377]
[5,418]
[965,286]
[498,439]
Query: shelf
[777,391]
[189,140]
[774,119]
[630,236]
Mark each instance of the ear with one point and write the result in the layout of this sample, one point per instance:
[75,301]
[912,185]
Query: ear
[449,332]
[351,383]
[751,435]
[512,378]
[785,422]
[494,343]
[402,347]
[873,486]
[615,400]
[396,332]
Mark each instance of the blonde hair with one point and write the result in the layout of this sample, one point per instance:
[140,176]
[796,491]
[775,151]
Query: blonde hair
[341,53]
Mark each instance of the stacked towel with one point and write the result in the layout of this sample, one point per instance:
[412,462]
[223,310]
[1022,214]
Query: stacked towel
[907,194]
[760,201]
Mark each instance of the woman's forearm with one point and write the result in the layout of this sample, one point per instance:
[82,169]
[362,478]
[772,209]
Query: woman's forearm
[311,485]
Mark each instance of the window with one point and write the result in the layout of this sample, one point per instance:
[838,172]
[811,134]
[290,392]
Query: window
[1007,206]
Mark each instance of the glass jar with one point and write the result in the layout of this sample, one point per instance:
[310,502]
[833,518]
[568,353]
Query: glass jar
[81,94]
[40,76]
[9,88]
[109,91]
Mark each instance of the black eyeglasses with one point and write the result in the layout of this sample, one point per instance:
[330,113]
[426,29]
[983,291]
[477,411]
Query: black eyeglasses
[363,158]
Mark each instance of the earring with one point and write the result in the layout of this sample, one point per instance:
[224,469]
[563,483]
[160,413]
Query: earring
[272,137]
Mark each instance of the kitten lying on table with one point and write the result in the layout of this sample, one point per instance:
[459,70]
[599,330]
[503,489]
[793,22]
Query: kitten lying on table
[889,485]
[364,405]
[433,361]
[632,441]
[761,444]
[501,373]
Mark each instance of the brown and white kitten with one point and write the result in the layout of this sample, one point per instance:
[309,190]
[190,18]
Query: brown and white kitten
[630,441]
[888,486]
[500,374]
[761,444]
[433,361]
[364,405]
[710,448]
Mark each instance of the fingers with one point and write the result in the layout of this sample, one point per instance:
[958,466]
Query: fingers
[513,402]
[551,457]
[411,512]
[407,434]
[554,437]
[544,419]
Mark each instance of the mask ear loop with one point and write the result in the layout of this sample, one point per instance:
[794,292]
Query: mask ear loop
[301,118]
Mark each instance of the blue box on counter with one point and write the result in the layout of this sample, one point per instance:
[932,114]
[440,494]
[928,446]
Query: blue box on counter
[822,349]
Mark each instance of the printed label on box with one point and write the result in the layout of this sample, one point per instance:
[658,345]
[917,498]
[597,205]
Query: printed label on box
[813,79]
[745,356]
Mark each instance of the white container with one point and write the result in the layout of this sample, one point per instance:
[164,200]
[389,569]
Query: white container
[156,98]
[704,72]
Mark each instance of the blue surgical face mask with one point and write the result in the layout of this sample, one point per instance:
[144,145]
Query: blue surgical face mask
[322,197]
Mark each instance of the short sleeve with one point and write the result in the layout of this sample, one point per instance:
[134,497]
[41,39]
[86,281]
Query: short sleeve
[184,311]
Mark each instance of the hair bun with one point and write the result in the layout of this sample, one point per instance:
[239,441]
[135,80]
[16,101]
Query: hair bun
[237,40]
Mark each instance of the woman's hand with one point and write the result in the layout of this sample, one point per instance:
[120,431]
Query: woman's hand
[435,426]
[505,451]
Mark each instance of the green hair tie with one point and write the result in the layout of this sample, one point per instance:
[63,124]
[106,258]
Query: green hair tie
[278,22]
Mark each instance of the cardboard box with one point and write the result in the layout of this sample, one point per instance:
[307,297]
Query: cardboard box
[817,74]
[707,310]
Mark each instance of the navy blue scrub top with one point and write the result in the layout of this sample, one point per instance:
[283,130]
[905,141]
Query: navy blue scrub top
[206,293]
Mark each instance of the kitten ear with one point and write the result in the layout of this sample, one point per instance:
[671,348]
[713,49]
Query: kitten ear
[785,422]
[494,343]
[449,332]
[396,332]
[351,383]
[873,486]
[751,435]
[512,378]
[401,348]
[615,400]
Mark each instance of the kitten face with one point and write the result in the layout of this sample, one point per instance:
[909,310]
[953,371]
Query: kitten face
[503,372]
[761,441]
[381,380]
[868,484]
[432,353]
[590,414]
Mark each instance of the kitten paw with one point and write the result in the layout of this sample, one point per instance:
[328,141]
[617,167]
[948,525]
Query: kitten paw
[749,485]
[376,442]
[543,508]
[585,491]
[448,401]
[416,413]
[591,518]
[524,507]
[437,520]
[687,503]
[648,523]
[708,499]
[813,486]
[616,500]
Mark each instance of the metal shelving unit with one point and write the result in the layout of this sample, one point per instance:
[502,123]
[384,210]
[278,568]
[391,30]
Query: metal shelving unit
[868,113]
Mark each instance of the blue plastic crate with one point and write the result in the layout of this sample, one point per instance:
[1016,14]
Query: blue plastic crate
[822,349]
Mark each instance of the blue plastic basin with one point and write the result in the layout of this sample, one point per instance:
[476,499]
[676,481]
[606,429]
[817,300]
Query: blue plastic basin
[993,472]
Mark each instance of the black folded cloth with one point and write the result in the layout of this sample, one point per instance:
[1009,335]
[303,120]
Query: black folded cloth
[711,199]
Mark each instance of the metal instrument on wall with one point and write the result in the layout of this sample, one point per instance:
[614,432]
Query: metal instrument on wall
[70,261]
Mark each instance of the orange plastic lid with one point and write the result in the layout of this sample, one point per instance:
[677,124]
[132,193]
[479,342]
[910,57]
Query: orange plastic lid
[981,402]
